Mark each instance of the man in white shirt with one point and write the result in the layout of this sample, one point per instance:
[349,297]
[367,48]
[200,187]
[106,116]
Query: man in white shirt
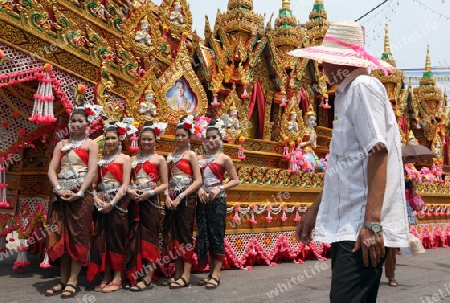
[361,209]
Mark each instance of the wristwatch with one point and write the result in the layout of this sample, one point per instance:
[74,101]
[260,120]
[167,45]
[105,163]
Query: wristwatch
[375,227]
[80,193]
[181,196]
[58,187]
[222,189]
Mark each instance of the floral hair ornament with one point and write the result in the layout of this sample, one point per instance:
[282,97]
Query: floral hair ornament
[121,129]
[220,125]
[92,111]
[158,128]
[201,124]
[188,123]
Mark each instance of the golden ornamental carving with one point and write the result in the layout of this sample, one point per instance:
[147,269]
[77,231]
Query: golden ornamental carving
[292,122]
[112,109]
[169,108]
[142,35]
[177,16]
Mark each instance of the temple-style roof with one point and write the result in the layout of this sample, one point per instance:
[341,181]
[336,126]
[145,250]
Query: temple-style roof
[318,23]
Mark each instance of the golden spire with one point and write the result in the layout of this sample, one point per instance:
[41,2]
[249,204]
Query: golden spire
[286,4]
[387,47]
[428,61]
[319,2]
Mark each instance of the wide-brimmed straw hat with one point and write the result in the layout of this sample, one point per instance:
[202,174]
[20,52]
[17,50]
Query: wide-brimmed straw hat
[343,45]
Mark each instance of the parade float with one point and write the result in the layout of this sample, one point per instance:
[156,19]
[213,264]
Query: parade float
[125,58]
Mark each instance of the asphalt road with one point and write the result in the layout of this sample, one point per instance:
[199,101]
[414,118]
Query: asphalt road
[421,279]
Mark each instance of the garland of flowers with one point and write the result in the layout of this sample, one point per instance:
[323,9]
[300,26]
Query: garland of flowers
[271,209]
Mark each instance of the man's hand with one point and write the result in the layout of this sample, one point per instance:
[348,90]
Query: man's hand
[372,246]
[306,226]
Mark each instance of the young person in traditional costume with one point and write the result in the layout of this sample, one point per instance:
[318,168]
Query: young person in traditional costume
[111,217]
[70,205]
[178,226]
[212,209]
[145,208]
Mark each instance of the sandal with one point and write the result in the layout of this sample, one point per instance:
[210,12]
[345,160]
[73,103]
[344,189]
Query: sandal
[202,282]
[392,282]
[71,293]
[112,284]
[168,282]
[136,288]
[102,285]
[178,284]
[53,291]
[209,285]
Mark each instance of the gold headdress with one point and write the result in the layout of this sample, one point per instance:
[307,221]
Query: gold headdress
[310,112]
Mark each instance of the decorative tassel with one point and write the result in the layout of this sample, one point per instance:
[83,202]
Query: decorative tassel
[43,99]
[252,214]
[215,100]
[297,214]
[3,185]
[283,101]
[293,163]
[268,218]
[326,105]
[134,147]
[21,260]
[46,262]
[285,152]
[245,95]
[283,215]
[241,155]
[236,217]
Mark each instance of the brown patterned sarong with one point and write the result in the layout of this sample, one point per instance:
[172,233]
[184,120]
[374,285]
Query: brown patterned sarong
[73,222]
[145,219]
[178,228]
[211,221]
[109,240]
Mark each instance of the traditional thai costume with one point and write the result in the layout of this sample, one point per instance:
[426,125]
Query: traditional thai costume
[72,219]
[110,230]
[178,226]
[144,221]
[211,216]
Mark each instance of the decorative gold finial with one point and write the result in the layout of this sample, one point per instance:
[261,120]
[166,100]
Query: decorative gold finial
[387,47]
[428,61]
[319,2]
[233,106]
[286,4]
[310,112]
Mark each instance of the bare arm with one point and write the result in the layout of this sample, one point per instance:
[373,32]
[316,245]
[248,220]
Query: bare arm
[164,184]
[229,168]
[196,175]
[92,165]
[308,222]
[54,165]
[372,246]
[376,177]
[126,171]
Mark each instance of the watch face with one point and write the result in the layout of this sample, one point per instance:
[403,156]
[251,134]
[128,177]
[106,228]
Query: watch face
[376,228]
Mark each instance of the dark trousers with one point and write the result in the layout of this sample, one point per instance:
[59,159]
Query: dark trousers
[351,281]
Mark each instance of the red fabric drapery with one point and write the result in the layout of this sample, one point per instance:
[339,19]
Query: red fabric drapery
[303,99]
[258,99]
